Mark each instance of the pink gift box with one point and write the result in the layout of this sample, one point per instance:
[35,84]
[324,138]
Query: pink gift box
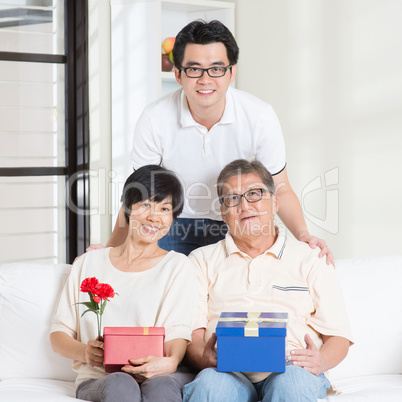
[124,343]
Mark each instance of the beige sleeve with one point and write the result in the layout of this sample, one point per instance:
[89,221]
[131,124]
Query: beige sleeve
[201,271]
[65,317]
[330,317]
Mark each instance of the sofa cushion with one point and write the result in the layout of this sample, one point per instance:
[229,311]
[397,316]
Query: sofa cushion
[372,388]
[28,294]
[37,390]
[373,297]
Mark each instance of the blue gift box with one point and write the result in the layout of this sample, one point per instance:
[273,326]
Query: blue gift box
[251,342]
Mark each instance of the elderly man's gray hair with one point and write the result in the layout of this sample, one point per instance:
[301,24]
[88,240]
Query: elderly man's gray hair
[243,166]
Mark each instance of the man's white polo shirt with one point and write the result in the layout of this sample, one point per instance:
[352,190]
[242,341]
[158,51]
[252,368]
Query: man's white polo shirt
[167,134]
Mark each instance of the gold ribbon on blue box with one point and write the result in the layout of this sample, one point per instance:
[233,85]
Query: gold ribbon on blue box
[252,320]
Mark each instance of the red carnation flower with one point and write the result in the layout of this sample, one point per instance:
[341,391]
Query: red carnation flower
[89,285]
[97,292]
[104,291]
[97,299]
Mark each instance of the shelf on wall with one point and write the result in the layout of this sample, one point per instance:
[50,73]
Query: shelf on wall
[168,76]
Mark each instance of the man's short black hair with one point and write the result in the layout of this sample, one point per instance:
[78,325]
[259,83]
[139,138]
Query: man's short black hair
[243,166]
[201,32]
[154,183]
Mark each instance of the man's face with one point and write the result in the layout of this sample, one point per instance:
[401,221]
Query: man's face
[249,219]
[205,92]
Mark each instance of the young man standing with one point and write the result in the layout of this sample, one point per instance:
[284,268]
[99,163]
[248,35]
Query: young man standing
[198,129]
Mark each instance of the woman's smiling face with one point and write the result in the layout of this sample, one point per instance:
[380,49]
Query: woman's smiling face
[150,220]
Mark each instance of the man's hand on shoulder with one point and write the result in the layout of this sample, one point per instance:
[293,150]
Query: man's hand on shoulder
[95,247]
[90,248]
[314,242]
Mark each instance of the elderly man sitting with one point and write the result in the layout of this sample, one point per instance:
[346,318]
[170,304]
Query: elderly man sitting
[258,268]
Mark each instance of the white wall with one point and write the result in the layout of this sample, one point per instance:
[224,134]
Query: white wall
[100,120]
[333,72]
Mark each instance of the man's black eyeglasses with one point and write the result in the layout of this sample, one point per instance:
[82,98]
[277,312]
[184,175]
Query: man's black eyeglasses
[213,72]
[253,195]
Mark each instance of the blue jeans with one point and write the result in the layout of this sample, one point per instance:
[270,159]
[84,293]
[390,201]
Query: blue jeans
[185,235]
[294,385]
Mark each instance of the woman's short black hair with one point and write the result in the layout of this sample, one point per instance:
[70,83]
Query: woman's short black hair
[155,183]
[201,32]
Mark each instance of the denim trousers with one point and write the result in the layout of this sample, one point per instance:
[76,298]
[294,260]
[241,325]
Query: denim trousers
[185,235]
[294,385]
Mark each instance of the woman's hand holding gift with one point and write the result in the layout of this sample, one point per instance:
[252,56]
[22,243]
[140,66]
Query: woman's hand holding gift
[151,366]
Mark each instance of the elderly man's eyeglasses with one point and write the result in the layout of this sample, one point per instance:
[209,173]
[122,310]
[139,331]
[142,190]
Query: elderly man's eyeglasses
[253,195]
[213,72]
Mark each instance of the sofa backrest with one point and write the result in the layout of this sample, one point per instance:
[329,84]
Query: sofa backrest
[28,295]
[372,289]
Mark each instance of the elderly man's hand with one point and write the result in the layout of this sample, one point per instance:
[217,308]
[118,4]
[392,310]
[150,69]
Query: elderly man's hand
[310,358]
[209,356]
[314,241]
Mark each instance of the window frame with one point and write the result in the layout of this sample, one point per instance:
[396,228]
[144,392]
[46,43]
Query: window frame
[76,167]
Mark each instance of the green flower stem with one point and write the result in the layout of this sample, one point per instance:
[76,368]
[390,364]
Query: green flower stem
[99,319]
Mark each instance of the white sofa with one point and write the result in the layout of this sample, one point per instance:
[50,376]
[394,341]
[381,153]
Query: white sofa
[31,371]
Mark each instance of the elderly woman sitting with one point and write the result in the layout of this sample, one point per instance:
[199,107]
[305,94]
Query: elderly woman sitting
[155,288]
